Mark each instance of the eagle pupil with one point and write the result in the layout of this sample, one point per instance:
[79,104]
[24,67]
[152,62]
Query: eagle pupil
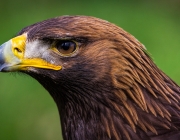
[66,45]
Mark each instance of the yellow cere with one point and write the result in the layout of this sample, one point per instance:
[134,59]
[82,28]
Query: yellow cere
[18,46]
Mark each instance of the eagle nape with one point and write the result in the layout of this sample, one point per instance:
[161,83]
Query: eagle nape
[103,81]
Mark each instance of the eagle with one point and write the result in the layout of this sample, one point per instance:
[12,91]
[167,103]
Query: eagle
[102,79]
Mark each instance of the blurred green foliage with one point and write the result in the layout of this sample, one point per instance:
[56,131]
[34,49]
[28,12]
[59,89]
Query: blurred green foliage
[26,110]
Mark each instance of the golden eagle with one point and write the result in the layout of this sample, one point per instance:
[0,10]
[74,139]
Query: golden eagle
[102,79]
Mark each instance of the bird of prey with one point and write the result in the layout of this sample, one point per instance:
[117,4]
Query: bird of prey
[102,79]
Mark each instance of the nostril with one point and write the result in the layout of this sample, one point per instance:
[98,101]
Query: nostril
[17,50]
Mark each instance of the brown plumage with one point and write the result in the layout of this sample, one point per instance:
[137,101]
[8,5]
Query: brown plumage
[109,89]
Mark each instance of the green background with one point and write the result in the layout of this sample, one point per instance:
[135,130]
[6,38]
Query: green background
[26,110]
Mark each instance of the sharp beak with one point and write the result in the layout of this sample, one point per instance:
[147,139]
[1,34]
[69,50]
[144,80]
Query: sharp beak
[12,57]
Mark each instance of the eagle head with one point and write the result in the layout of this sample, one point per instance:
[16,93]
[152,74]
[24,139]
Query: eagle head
[102,79]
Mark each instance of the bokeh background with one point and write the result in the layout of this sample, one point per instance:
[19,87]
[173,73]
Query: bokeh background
[26,109]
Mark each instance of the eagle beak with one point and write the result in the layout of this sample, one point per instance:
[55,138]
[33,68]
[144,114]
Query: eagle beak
[12,57]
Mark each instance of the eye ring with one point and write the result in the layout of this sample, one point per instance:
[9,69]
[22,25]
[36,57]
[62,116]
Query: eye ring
[66,47]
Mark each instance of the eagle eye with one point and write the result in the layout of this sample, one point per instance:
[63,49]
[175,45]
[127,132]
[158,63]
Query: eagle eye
[66,47]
